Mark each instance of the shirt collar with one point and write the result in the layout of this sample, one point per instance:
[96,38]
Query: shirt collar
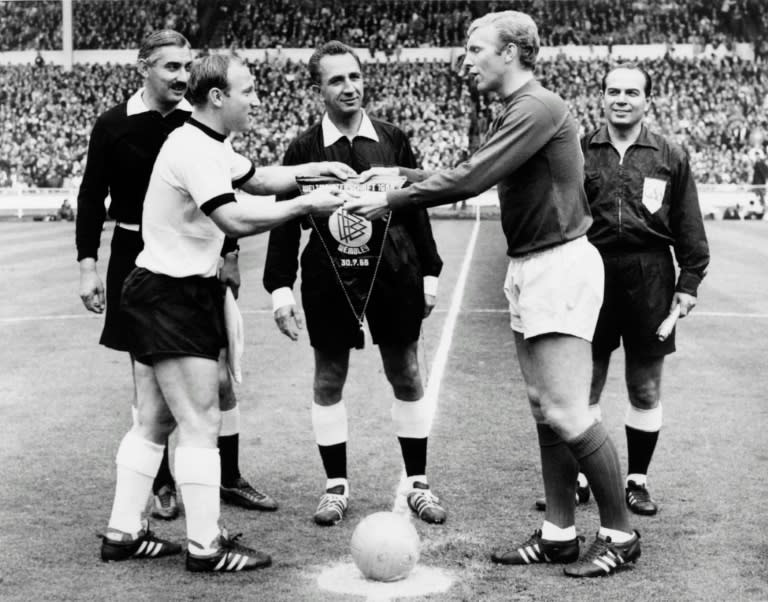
[646,138]
[136,104]
[524,88]
[206,130]
[331,133]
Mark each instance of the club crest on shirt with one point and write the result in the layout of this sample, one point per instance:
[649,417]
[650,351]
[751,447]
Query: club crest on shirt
[352,232]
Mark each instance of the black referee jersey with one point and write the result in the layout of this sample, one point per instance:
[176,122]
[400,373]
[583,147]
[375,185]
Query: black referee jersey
[410,250]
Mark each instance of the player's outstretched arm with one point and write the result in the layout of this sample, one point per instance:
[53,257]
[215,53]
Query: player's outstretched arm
[254,217]
[369,204]
[412,174]
[279,179]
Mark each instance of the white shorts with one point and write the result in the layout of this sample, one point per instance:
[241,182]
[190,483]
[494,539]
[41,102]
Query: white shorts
[559,289]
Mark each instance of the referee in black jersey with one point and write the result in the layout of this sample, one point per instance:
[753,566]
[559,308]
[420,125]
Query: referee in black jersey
[384,272]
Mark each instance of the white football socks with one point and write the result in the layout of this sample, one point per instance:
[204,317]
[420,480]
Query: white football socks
[330,423]
[331,483]
[616,536]
[137,463]
[412,419]
[198,475]
[552,532]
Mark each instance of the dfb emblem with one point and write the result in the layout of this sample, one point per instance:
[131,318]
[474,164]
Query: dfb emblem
[352,232]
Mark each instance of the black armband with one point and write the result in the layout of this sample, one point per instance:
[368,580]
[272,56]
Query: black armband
[230,246]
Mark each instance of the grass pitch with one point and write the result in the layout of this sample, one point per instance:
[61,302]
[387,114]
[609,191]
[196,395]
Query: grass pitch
[64,404]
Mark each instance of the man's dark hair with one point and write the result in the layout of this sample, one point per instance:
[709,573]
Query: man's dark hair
[158,39]
[209,72]
[332,48]
[632,67]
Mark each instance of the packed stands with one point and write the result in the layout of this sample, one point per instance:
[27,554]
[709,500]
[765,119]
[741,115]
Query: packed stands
[387,24]
[710,107]
[376,24]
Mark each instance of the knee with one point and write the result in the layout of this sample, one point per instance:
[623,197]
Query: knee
[210,422]
[328,389]
[555,417]
[567,421]
[534,399]
[165,424]
[200,426]
[407,388]
[406,382]
[154,424]
[644,396]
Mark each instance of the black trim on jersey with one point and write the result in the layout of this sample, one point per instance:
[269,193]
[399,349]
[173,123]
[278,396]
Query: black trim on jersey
[230,246]
[211,205]
[205,129]
[242,180]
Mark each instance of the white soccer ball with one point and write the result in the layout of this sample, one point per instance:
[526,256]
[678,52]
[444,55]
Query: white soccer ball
[385,546]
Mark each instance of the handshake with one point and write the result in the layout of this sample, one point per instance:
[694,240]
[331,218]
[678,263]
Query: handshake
[338,185]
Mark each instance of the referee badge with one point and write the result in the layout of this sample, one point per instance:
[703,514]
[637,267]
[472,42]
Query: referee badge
[653,193]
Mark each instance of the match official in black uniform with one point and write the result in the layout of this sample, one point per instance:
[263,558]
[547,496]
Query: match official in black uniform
[385,271]
[644,202]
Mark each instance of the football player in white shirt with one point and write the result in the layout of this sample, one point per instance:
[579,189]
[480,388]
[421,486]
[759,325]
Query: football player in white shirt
[175,306]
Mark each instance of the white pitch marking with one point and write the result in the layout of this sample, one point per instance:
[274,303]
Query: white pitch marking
[345,578]
[441,354]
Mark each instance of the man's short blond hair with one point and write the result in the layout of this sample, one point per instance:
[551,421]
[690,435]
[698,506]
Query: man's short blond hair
[208,72]
[515,28]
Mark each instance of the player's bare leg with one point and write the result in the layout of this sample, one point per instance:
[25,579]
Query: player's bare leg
[412,417]
[165,505]
[551,397]
[329,422]
[138,458]
[599,375]
[190,388]
[642,424]
[557,370]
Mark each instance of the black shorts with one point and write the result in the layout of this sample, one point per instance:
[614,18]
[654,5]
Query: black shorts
[173,316]
[639,287]
[394,314]
[126,246]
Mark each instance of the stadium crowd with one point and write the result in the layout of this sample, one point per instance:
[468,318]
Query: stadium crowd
[379,25]
[712,108]
[400,23]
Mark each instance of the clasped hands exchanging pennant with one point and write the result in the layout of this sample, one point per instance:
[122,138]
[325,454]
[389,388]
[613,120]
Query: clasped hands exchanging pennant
[363,199]
[370,201]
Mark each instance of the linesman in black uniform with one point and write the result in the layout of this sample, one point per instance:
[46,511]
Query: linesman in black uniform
[123,147]
[644,202]
[384,271]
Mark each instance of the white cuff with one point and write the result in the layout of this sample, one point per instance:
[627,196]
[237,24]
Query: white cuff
[430,285]
[281,297]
